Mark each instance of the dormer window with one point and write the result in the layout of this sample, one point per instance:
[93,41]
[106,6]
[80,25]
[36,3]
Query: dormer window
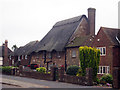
[10,57]
[19,58]
[49,55]
[25,56]
[22,56]
[58,55]
[43,55]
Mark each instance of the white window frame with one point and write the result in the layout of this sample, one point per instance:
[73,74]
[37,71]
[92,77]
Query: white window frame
[73,53]
[106,68]
[49,55]
[43,55]
[58,55]
[22,56]
[19,58]
[12,61]
[102,51]
[26,57]
[10,57]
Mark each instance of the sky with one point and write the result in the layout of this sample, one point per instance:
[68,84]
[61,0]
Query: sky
[22,21]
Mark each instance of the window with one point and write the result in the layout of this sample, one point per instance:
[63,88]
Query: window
[10,57]
[25,56]
[13,62]
[22,56]
[49,55]
[58,55]
[103,70]
[19,58]
[43,54]
[73,53]
[102,51]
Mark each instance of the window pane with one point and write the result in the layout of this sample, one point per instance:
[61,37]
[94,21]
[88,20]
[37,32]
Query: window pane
[98,70]
[103,50]
[108,69]
[58,55]
[103,69]
[73,53]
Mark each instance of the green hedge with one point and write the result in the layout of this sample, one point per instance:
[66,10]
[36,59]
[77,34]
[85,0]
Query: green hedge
[89,58]
[41,69]
[72,70]
[6,69]
[106,78]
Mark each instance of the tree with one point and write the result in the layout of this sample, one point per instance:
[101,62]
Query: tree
[89,58]
[14,47]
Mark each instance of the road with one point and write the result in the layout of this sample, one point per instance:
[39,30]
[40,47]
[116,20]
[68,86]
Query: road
[23,82]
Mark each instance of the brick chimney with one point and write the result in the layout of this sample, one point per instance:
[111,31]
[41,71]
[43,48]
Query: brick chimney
[5,54]
[91,19]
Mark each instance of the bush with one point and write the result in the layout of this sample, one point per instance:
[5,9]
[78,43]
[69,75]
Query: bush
[72,70]
[89,58]
[79,73]
[106,78]
[41,69]
[7,69]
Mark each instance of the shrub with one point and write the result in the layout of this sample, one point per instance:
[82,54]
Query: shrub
[7,69]
[79,73]
[41,69]
[72,70]
[89,58]
[106,78]
[97,80]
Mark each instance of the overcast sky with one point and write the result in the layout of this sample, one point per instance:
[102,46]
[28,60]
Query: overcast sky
[22,21]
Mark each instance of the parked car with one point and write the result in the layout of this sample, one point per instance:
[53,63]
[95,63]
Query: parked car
[33,66]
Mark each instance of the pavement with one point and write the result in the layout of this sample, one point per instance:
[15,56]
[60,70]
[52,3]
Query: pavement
[8,81]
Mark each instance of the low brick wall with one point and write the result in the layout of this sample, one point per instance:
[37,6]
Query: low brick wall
[36,75]
[74,79]
[81,80]
[27,72]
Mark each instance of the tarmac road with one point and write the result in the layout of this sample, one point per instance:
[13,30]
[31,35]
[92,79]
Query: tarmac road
[23,82]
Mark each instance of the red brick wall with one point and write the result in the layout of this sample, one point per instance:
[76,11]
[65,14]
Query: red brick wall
[101,40]
[5,56]
[116,56]
[25,61]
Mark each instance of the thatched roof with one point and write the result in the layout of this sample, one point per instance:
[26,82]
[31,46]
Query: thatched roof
[58,37]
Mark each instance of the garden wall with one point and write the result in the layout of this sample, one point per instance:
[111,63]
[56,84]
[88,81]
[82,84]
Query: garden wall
[81,80]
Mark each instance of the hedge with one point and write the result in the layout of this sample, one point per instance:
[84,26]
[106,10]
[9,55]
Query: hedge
[89,58]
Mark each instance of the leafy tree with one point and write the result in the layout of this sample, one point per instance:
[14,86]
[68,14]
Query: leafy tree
[89,58]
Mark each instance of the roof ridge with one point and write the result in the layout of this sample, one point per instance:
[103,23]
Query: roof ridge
[69,21]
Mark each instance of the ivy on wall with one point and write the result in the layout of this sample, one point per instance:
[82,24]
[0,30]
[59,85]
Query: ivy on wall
[89,58]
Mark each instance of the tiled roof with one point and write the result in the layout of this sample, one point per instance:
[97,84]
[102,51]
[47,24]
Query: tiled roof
[112,34]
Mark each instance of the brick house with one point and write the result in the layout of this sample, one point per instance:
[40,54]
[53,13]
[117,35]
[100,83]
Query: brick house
[22,55]
[4,53]
[108,41]
[63,39]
